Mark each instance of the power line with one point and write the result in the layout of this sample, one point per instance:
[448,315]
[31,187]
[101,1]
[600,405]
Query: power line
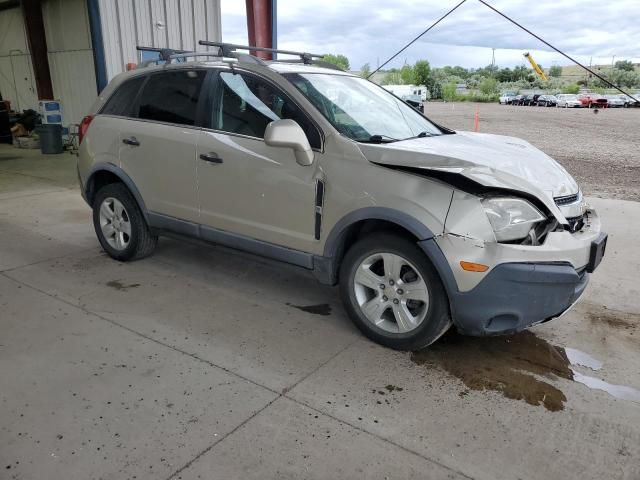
[611,84]
[556,49]
[416,39]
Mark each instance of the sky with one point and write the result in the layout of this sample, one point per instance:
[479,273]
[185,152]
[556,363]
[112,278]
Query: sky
[370,31]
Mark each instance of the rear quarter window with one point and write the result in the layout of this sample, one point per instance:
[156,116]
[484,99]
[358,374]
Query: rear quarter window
[172,97]
[121,102]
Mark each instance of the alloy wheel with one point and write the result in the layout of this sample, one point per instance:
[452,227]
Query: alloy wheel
[115,223]
[391,292]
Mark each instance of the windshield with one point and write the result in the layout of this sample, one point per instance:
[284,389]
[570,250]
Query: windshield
[361,110]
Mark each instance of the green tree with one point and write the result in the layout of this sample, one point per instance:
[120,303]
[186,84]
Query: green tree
[365,70]
[456,71]
[407,75]
[422,73]
[449,92]
[392,78]
[338,60]
[505,75]
[555,71]
[489,86]
[520,73]
[572,88]
[625,65]
[622,78]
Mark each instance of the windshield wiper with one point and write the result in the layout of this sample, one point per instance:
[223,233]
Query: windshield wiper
[379,139]
[421,135]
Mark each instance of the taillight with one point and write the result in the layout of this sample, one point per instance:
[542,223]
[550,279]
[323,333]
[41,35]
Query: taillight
[84,127]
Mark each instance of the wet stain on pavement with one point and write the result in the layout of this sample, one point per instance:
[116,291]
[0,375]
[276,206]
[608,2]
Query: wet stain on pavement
[614,319]
[506,364]
[323,309]
[521,367]
[392,388]
[118,285]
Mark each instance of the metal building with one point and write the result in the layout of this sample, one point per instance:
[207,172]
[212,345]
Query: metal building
[68,50]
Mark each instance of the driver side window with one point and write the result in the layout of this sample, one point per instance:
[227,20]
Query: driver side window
[248,104]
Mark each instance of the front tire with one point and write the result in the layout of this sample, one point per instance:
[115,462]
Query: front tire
[392,292]
[119,224]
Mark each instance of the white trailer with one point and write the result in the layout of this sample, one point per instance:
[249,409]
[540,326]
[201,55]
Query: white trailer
[403,91]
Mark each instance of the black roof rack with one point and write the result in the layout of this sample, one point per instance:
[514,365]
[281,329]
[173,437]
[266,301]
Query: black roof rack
[229,51]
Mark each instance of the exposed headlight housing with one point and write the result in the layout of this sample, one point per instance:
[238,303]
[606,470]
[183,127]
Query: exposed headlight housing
[511,218]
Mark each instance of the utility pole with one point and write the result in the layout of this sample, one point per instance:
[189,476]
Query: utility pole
[493,61]
[612,62]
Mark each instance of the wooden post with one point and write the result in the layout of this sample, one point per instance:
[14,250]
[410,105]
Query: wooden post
[259,26]
[32,11]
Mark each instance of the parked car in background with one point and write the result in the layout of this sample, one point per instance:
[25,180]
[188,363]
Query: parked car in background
[547,101]
[415,101]
[593,100]
[506,98]
[530,100]
[568,100]
[631,101]
[517,99]
[615,101]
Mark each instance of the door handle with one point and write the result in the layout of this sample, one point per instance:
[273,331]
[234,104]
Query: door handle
[133,141]
[211,157]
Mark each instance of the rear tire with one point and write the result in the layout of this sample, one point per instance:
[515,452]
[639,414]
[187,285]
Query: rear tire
[119,224]
[392,292]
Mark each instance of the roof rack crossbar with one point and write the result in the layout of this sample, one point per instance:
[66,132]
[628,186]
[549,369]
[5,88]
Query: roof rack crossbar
[168,54]
[194,54]
[318,63]
[164,53]
[227,49]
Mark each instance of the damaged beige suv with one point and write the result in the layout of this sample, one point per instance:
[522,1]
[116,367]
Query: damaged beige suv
[422,227]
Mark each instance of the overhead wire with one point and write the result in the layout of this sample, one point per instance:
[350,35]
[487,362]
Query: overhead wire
[611,84]
[603,79]
[417,38]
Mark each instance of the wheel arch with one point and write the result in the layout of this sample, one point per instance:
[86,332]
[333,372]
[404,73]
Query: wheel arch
[106,173]
[352,226]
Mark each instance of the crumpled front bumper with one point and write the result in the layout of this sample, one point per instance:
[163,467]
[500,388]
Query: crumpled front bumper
[525,284]
[515,296]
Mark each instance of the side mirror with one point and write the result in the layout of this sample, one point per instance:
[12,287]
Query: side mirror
[287,133]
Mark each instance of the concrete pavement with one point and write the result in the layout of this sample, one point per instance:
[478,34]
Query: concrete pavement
[196,363]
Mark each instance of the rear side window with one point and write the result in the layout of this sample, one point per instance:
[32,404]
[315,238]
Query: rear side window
[172,97]
[247,104]
[121,102]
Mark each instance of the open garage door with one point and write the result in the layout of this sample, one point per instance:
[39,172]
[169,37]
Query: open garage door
[66,24]
[16,72]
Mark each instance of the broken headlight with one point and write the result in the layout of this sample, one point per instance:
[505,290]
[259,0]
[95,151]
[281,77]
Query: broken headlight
[511,218]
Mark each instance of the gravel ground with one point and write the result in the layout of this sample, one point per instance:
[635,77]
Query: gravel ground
[601,151]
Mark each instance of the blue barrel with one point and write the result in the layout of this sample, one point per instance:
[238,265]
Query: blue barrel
[50,138]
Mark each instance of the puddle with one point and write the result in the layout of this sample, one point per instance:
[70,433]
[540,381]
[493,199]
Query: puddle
[576,357]
[619,391]
[521,367]
[323,309]
[118,285]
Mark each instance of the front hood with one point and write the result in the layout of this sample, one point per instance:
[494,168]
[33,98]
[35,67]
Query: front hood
[490,160]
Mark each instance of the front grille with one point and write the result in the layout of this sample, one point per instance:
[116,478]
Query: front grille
[566,200]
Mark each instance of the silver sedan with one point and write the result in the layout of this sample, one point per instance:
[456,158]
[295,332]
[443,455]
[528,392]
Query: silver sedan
[567,100]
